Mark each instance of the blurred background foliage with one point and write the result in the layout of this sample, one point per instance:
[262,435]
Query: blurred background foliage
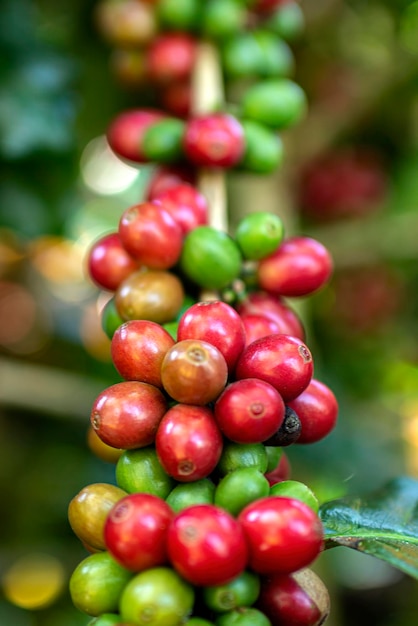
[350,180]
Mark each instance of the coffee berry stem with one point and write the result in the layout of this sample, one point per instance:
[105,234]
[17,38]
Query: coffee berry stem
[207,97]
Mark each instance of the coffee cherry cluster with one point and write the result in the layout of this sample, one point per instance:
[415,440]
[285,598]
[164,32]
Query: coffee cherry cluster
[211,393]
[203,525]
[164,36]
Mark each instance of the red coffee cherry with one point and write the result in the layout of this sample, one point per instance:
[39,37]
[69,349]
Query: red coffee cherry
[151,235]
[136,531]
[127,414]
[281,360]
[170,57]
[215,140]
[167,176]
[283,534]
[185,203]
[299,599]
[217,323]
[138,349]
[125,132]
[109,263]
[317,409]
[249,411]
[299,267]
[271,306]
[206,545]
[188,442]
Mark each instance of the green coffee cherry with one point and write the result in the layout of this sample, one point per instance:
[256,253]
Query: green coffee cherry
[180,15]
[222,18]
[277,103]
[297,490]
[287,21]
[162,141]
[263,149]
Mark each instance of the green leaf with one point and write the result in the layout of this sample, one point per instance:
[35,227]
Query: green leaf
[383,524]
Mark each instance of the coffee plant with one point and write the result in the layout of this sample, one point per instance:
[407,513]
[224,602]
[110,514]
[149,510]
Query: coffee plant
[204,525]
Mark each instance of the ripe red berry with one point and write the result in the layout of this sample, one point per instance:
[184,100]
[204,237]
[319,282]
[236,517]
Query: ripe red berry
[109,263]
[125,132]
[188,442]
[217,323]
[299,267]
[127,414]
[283,361]
[299,599]
[206,545]
[317,409]
[215,140]
[283,534]
[170,57]
[138,348]
[271,306]
[151,235]
[249,411]
[257,326]
[194,372]
[136,531]
[186,205]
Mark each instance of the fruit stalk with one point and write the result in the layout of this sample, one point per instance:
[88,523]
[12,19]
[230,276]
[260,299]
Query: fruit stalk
[207,97]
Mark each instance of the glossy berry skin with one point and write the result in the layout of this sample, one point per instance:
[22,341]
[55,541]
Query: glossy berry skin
[281,360]
[138,348]
[188,442]
[283,534]
[194,372]
[136,531]
[271,306]
[257,326]
[217,323]
[249,411]
[317,409]
[299,599]
[109,263]
[125,132]
[215,140]
[170,58]
[127,414]
[299,267]
[151,235]
[206,545]
[186,205]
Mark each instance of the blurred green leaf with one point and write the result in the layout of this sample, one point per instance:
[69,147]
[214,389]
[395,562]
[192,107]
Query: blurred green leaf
[383,524]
